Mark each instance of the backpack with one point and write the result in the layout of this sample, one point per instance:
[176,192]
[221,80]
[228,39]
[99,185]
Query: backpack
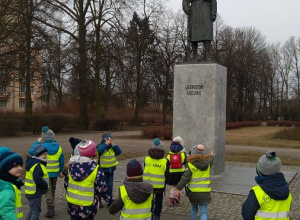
[175,161]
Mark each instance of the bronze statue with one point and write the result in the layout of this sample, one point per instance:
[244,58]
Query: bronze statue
[201,15]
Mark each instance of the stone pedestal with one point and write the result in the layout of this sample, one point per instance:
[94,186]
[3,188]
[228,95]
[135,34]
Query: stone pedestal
[199,108]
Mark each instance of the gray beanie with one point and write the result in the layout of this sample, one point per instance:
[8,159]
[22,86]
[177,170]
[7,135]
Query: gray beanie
[195,150]
[268,164]
[157,143]
[47,134]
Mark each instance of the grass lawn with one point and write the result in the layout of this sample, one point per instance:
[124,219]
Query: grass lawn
[263,136]
[259,136]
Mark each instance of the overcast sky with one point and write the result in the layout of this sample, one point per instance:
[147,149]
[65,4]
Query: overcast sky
[276,19]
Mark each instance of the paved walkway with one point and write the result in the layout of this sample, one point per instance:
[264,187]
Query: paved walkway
[224,206]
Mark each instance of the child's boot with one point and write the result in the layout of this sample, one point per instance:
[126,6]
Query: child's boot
[171,201]
[51,212]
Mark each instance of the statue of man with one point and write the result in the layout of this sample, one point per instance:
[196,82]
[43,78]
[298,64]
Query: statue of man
[201,15]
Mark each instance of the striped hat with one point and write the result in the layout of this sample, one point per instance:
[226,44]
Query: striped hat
[9,159]
[37,150]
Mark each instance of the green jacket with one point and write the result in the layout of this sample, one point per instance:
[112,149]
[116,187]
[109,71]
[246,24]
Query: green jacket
[7,201]
[201,162]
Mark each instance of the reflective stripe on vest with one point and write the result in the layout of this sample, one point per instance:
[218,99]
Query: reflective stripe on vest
[81,193]
[108,159]
[154,172]
[172,170]
[270,208]
[18,203]
[29,186]
[200,181]
[135,211]
[53,161]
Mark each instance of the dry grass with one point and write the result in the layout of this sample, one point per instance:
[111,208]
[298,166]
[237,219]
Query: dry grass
[253,158]
[259,136]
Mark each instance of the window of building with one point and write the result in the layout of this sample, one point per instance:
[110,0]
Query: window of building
[22,104]
[2,71]
[3,103]
[22,90]
[44,98]
[3,88]
[32,90]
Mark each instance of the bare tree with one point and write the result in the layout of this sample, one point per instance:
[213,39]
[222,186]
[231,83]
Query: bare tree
[170,50]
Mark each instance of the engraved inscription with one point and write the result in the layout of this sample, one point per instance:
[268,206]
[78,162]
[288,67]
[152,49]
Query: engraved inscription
[193,89]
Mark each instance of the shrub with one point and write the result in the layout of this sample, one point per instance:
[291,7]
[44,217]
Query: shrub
[10,126]
[162,132]
[240,124]
[55,122]
[288,134]
[283,123]
[106,124]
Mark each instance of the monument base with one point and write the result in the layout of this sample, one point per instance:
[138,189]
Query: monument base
[199,108]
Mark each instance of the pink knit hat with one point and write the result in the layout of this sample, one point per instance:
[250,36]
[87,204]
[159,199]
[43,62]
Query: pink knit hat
[87,148]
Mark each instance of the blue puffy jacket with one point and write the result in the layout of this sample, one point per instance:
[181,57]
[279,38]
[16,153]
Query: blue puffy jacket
[52,148]
[103,147]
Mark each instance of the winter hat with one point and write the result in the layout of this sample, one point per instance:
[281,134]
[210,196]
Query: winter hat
[87,148]
[197,149]
[134,168]
[179,140]
[268,164]
[74,141]
[47,134]
[9,159]
[157,143]
[37,150]
[106,136]
[176,147]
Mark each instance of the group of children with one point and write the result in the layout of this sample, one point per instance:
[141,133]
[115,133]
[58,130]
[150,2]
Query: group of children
[89,174]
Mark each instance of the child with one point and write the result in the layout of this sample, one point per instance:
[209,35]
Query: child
[55,166]
[198,173]
[84,183]
[10,185]
[108,151]
[176,166]
[135,196]
[271,198]
[36,179]
[154,173]
[73,142]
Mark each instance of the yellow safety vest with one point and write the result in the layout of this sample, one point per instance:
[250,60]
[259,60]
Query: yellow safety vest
[53,161]
[200,181]
[108,159]
[174,170]
[154,172]
[18,203]
[81,193]
[30,187]
[132,210]
[271,209]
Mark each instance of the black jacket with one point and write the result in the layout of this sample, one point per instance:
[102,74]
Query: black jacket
[41,184]
[157,153]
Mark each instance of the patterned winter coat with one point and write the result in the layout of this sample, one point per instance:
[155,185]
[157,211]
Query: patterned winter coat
[80,168]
